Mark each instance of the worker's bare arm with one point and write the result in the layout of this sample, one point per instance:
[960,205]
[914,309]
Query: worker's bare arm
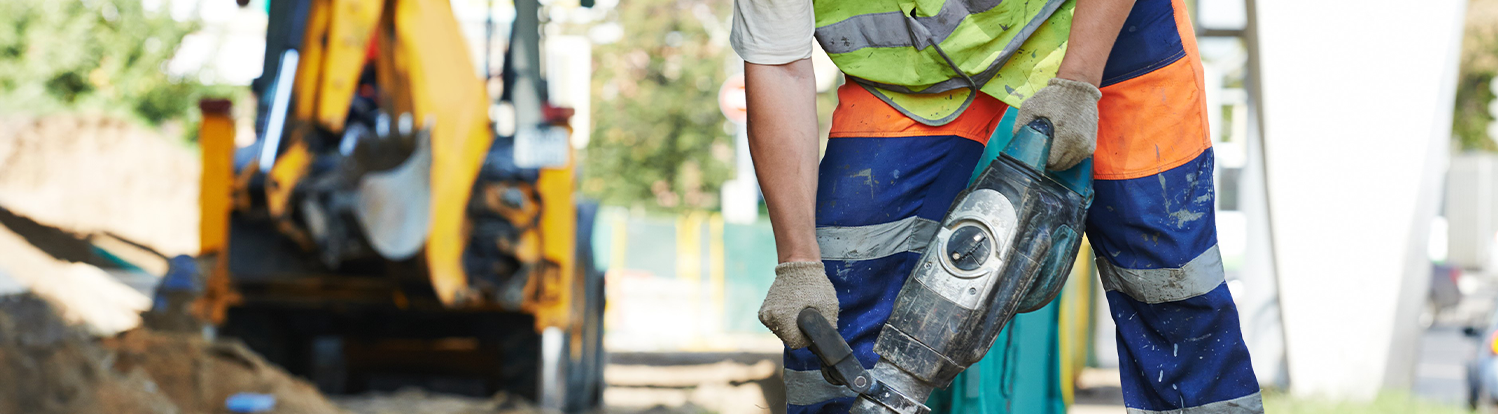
[783,142]
[1094,27]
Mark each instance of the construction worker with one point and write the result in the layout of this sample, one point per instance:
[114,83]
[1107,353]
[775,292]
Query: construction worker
[1121,81]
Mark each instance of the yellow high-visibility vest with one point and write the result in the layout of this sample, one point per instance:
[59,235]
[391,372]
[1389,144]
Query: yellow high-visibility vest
[928,58]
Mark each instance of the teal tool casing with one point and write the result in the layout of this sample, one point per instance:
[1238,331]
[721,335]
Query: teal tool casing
[1031,147]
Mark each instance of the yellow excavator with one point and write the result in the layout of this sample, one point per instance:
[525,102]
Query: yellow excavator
[380,233]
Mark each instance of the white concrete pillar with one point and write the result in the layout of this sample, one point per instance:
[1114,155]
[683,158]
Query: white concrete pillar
[1357,101]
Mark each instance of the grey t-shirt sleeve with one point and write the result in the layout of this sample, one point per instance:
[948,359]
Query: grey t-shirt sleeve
[772,32]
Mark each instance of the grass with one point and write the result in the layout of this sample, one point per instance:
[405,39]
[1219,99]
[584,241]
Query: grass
[1387,403]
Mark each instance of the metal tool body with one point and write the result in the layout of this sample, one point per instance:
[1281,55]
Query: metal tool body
[1005,246]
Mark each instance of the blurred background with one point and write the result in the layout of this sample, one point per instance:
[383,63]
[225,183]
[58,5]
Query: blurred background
[485,206]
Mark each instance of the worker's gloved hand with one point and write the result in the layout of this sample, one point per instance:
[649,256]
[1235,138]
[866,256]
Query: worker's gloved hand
[1072,108]
[798,285]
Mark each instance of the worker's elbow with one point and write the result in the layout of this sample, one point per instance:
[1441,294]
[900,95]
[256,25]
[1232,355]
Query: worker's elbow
[796,70]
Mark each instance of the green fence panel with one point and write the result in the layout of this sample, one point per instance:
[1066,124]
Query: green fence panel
[650,245]
[748,269]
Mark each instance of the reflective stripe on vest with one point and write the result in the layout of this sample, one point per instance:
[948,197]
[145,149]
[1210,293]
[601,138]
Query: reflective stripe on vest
[908,52]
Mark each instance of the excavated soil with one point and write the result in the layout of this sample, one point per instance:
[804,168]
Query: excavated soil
[56,368]
[199,375]
[49,367]
[48,262]
[63,177]
[417,401]
[94,174]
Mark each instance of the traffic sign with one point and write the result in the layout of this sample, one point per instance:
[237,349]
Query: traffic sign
[731,99]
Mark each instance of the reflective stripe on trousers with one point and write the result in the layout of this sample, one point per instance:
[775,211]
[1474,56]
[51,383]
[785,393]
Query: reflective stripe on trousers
[1246,404]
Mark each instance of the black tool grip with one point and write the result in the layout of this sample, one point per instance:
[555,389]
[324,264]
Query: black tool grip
[837,357]
[825,341]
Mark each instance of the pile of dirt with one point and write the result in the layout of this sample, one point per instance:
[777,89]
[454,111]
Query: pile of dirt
[94,174]
[199,375]
[83,293]
[63,177]
[414,400]
[56,368]
[49,367]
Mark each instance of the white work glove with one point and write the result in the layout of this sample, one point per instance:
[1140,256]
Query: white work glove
[797,285]
[1072,108]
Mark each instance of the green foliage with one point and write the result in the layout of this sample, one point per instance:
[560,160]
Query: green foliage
[93,55]
[1386,403]
[659,141]
[1471,119]
[1479,65]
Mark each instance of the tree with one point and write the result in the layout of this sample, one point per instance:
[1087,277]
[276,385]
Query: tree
[1479,64]
[96,55]
[660,141]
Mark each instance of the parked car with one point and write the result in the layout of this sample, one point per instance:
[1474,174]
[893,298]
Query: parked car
[1482,372]
[1445,293]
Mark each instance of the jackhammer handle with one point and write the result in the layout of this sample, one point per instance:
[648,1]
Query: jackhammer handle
[833,350]
[825,341]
